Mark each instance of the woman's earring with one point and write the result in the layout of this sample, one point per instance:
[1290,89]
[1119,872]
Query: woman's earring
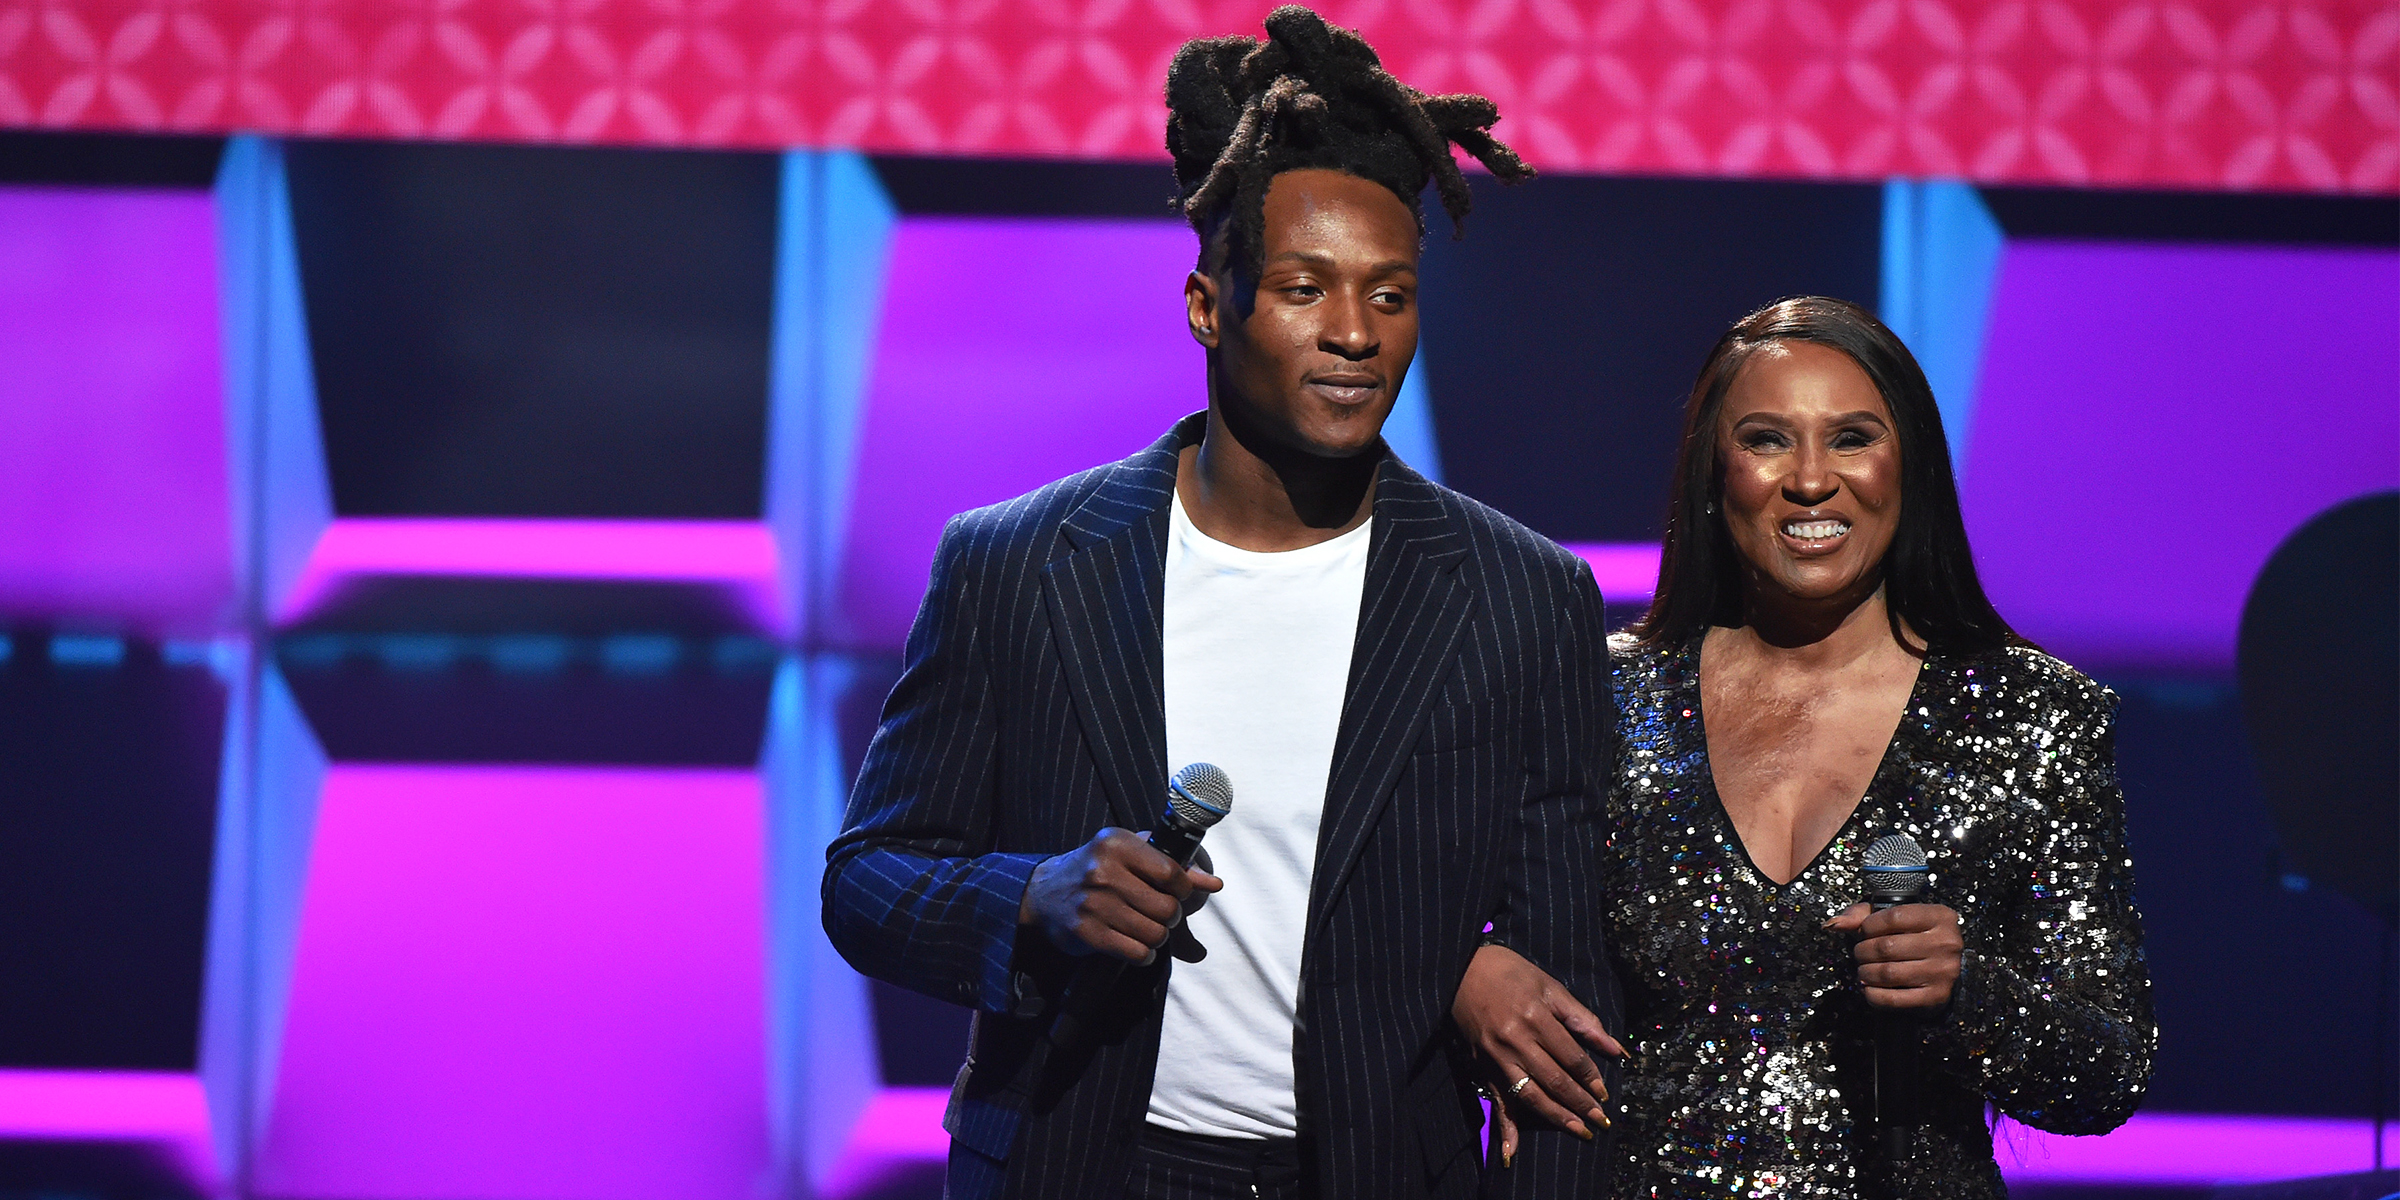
[1712,508]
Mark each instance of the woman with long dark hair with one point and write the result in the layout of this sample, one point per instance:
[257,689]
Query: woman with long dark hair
[1820,668]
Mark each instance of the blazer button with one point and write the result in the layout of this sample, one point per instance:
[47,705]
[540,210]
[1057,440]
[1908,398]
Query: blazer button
[1028,996]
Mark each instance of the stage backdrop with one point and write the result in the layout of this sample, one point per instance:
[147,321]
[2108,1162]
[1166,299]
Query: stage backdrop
[2244,94]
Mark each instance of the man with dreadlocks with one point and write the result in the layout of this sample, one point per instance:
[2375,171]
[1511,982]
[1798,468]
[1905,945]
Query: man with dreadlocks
[1407,690]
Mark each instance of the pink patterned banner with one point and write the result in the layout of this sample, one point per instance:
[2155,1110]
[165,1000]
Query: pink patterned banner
[2233,94]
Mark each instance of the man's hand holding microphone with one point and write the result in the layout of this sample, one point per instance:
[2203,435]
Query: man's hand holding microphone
[1116,894]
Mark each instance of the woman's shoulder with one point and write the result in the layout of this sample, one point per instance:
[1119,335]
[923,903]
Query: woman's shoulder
[2039,685]
[1637,667]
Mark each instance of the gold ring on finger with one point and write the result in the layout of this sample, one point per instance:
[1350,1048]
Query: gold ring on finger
[1518,1088]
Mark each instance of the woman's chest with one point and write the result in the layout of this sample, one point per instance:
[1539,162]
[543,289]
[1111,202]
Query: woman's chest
[1694,920]
[1789,763]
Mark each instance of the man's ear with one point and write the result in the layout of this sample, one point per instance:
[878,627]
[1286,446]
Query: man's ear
[1201,308]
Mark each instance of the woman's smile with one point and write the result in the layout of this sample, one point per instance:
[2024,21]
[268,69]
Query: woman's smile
[1810,536]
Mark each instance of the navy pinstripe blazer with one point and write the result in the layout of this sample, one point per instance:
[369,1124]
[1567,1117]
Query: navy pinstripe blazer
[1466,788]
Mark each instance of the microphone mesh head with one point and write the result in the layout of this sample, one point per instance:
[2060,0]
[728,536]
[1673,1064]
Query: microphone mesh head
[1200,795]
[1894,869]
[1895,852]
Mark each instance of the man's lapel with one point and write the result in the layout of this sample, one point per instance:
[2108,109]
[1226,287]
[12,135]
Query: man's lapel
[1106,596]
[1409,620]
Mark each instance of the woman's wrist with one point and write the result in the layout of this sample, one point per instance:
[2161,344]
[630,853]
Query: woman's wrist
[1963,1017]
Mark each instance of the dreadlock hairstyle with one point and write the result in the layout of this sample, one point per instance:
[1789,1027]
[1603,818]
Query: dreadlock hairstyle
[1240,112]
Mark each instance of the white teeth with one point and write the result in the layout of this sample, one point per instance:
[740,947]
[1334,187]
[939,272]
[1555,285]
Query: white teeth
[1816,531]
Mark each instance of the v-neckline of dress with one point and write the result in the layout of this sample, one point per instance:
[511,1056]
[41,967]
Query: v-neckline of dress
[1716,800]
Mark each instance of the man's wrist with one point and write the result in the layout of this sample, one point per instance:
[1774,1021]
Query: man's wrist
[1025,914]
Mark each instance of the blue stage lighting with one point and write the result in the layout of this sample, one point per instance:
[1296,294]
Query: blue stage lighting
[529,653]
[87,650]
[420,651]
[639,654]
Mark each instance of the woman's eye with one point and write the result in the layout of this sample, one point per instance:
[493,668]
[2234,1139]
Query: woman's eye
[1851,439]
[1764,440]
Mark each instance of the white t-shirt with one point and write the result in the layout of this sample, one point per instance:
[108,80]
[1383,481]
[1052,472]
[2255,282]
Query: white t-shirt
[1257,665]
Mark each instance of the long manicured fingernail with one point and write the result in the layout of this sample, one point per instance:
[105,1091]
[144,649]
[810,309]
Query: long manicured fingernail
[1508,1158]
[1579,1129]
[1599,1118]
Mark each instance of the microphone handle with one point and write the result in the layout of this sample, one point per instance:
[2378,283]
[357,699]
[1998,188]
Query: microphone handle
[1896,1041]
[1895,1083]
[1175,842]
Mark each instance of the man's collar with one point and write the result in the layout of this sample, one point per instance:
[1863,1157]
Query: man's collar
[1407,504]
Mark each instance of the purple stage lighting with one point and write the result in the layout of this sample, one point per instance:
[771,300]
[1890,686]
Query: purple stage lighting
[1626,572]
[112,411]
[904,1127]
[527,981]
[160,1114]
[900,1130]
[2155,419]
[2191,1150]
[738,555]
[970,404]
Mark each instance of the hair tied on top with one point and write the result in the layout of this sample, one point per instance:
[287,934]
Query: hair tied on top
[1312,95]
[1305,36]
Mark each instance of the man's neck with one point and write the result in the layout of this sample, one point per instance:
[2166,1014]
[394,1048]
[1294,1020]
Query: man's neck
[1271,501]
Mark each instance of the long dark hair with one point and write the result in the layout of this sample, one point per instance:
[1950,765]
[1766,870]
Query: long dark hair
[1928,574]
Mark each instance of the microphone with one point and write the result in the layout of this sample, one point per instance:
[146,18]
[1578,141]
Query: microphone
[1199,796]
[1895,873]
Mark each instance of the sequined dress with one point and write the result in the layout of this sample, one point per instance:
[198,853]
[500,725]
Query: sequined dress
[1753,1048]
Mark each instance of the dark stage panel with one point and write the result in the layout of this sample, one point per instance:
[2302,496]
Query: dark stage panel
[95,1169]
[649,698]
[439,669]
[1020,187]
[108,797]
[489,605]
[108,159]
[2258,218]
[2267,986]
[538,331]
[1564,330]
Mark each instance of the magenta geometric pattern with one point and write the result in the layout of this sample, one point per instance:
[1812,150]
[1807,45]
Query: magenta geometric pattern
[2217,94]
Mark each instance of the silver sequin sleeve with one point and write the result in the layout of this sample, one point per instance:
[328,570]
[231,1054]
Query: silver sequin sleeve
[2052,1019]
